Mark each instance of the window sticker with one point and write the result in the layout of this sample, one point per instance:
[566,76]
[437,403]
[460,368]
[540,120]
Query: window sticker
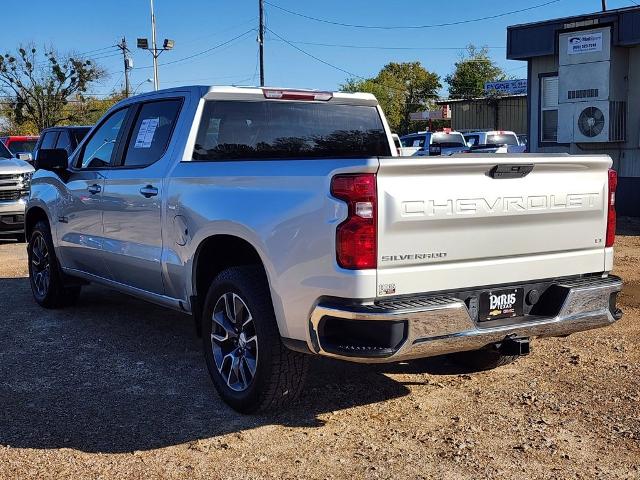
[146,132]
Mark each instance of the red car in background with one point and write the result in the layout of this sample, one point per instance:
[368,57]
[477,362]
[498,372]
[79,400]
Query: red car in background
[19,143]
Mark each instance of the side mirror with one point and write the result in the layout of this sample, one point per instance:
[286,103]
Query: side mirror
[25,156]
[52,159]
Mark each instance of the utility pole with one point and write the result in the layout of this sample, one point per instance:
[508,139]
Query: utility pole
[261,40]
[604,5]
[128,64]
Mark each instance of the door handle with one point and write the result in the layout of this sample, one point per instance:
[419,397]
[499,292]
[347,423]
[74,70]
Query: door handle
[95,188]
[149,191]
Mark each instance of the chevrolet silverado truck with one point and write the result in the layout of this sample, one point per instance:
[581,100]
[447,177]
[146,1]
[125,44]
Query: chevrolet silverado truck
[15,178]
[285,224]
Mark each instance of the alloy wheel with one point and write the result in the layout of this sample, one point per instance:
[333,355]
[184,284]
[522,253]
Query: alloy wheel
[40,265]
[234,341]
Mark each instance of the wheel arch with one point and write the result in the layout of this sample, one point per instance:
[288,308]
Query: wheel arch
[216,253]
[32,216]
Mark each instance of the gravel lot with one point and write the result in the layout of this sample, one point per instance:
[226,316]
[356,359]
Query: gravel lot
[118,388]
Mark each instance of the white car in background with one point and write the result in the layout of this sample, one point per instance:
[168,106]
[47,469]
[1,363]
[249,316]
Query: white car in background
[397,143]
[433,143]
[495,141]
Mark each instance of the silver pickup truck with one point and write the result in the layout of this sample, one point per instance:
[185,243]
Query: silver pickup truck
[282,221]
[15,179]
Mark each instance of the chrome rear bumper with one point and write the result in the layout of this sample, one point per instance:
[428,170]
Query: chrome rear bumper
[436,325]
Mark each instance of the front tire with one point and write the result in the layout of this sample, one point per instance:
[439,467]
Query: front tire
[250,367]
[46,279]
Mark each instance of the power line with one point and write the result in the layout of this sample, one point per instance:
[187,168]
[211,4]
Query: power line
[202,52]
[329,64]
[314,57]
[379,47]
[332,65]
[96,50]
[398,27]
[216,33]
[106,56]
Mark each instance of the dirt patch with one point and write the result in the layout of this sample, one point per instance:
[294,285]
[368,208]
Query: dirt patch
[117,388]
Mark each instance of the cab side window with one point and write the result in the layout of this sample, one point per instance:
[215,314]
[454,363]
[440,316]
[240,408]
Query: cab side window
[64,142]
[151,132]
[98,151]
[49,140]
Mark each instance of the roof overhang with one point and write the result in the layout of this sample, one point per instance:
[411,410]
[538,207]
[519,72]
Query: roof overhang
[539,39]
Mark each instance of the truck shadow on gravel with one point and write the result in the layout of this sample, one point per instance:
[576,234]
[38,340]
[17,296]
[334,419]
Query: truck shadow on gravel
[115,374]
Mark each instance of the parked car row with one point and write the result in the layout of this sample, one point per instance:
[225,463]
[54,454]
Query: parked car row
[450,142]
[17,152]
[15,180]
[494,142]
[20,145]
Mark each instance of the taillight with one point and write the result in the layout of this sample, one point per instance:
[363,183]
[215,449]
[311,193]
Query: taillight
[356,237]
[611,214]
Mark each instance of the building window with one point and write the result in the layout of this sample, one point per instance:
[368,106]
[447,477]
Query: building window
[549,109]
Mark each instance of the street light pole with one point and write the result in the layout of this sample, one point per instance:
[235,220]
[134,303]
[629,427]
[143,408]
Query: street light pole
[143,44]
[154,51]
[148,80]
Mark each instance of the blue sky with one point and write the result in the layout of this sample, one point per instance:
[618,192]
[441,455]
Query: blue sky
[198,25]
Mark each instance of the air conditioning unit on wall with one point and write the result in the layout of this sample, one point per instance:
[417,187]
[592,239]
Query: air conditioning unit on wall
[592,88]
[592,122]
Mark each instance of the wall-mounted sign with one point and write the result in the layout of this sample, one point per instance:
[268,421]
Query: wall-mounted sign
[587,43]
[443,113]
[507,87]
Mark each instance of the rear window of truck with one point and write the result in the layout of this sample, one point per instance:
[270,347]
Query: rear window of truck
[232,130]
[502,139]
[448,139]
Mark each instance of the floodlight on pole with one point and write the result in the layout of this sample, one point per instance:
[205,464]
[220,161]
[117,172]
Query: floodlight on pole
[143,44]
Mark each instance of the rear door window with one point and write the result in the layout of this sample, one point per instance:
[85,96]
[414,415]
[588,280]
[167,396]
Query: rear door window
[64,141]
[49,140]
[232,130]
[151,132]
[79,134]
[472,140]
[413,141]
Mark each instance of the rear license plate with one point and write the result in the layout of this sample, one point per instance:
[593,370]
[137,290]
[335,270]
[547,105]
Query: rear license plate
[435,150]
[503,303]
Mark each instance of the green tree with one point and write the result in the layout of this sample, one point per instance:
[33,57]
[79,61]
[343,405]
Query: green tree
[401,88]
[471,72]
[40,90]
[88,110]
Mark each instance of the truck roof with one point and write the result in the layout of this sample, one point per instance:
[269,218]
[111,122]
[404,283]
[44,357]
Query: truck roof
[224,92]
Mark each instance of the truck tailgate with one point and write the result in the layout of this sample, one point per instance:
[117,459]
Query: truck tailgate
[446,223]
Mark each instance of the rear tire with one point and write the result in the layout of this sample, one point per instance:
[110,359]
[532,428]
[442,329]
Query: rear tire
[47,281]
[250,367]
[484,359]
